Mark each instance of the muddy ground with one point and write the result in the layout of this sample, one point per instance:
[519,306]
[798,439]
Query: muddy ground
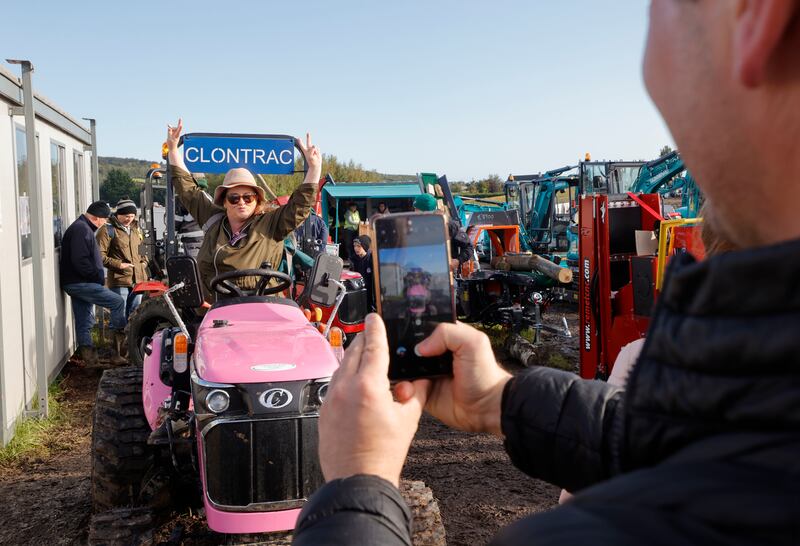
[478,490]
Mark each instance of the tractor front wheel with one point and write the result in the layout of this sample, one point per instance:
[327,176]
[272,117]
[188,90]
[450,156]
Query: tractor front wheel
[124,470]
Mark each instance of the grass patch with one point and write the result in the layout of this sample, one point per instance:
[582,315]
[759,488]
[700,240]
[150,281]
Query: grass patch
[558,361]
[33,437]
[497,334]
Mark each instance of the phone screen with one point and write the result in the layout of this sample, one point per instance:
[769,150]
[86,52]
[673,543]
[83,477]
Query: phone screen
[415,289]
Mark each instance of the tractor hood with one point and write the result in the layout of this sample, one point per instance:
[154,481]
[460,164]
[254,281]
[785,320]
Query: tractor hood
[260,343]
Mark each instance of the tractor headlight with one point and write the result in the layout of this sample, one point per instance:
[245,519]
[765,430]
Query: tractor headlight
[322,392]
[218,401]
[317,392]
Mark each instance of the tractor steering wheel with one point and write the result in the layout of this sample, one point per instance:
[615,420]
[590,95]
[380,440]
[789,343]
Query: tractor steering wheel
[222,283]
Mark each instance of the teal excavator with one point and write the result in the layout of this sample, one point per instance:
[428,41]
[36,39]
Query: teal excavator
[545,205]
[668,175]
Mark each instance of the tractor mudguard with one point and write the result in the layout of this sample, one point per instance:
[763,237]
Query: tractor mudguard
[154,391]
[154,288]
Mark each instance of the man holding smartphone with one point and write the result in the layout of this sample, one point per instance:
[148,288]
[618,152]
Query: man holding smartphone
[702,446]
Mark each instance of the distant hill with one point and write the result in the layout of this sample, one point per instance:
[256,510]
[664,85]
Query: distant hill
[136,168]
[399,177]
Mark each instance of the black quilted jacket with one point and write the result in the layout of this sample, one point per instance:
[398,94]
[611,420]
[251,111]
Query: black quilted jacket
[702,448]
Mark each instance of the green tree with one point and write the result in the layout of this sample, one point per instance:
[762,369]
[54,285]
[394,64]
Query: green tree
[118,184]
[494,184]
[491,184]
[666,149]
[342,172]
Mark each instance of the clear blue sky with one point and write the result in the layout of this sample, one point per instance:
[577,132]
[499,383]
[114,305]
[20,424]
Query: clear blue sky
[466,88]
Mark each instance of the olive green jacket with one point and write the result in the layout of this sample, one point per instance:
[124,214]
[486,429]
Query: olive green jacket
[121,249]
[264,232]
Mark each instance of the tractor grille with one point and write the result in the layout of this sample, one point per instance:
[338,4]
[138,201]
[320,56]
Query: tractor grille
[262,465]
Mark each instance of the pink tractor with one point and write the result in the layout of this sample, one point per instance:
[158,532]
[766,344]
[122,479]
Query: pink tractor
[225,409]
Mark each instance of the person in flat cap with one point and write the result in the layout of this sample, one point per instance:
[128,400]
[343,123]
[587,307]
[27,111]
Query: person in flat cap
[82,278]
[241,231]
[120,241]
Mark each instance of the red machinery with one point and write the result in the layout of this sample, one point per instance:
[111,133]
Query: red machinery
[353,309]
[618,286]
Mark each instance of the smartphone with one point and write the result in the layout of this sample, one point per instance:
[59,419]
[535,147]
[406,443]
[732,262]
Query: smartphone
[414,289]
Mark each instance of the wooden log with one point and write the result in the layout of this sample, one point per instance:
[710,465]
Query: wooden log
[522,349]
[554,271]
[533,262]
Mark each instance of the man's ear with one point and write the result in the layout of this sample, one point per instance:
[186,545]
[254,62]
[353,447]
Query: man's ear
[760,28]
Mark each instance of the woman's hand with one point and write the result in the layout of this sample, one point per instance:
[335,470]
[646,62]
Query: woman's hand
[174,134]
[313,159]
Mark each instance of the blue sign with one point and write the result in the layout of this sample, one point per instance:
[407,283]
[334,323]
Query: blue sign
[219,154]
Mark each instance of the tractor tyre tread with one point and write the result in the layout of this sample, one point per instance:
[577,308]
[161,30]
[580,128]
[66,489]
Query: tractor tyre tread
[427,528]
[120,454]
[122,526]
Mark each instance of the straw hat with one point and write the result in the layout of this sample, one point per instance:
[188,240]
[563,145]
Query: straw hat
[237,177]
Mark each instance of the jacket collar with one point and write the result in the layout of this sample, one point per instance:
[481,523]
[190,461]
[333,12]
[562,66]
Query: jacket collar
[91,225]
[116,224]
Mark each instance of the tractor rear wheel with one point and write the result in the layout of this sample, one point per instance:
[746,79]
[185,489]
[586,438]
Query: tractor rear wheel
[123,465]
[152,315]
[427,528]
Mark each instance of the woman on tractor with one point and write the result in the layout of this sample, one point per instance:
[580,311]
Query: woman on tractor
[241,231]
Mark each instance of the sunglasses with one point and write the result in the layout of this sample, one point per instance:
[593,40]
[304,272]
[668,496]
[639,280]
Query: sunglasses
[233,198]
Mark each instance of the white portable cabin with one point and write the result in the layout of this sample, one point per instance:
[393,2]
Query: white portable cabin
[36,327]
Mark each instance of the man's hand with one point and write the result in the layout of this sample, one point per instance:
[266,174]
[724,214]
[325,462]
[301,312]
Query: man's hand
[362,430]
[313,159]
[471,399]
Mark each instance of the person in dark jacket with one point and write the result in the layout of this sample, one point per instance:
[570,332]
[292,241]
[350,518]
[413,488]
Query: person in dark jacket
[312,235]
[190,233]
[702,445]
[82,277]
[461,249]
[362,264]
